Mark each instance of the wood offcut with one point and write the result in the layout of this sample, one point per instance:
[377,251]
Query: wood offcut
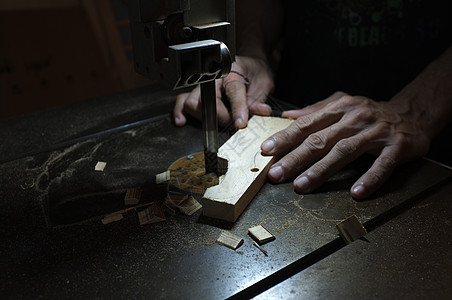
[152,214]
[230,240]
[163,177]
[351,229]
[132,196]
[100,166]
[247,169]
[184,203]
[260,234]
[112,218]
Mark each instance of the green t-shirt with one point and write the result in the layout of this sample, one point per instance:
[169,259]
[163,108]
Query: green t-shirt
[362,47]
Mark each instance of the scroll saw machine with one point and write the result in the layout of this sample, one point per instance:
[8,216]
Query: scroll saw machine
[183,44]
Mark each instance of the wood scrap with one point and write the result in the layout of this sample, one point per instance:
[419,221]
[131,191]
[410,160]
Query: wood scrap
[230,240]
[163,177]
[260,234]
[152,214]
[247,169]
[112,218]
[351,229]
[184,203]
[100,166]
[132,196]
[168,209]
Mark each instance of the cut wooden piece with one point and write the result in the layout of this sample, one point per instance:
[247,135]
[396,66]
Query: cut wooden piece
[100,166]
[185,203]
[112,218]
[132,196]
[247,169]
[230,240]
[152,214]
[190,206]
[351,229]
[260,234]
[163,177]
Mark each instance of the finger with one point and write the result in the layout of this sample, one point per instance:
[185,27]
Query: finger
[257,94]
[378,173]
[311,150]
[178,115]
[192,104]
[235,90]
[257,105]
[343,152]
[301,128]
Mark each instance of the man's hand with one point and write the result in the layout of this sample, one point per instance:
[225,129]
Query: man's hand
[244,98]
[330,134]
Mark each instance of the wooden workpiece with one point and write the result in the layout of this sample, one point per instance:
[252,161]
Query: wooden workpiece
[247,169]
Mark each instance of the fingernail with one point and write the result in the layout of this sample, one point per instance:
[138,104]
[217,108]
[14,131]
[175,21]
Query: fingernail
[359,190]
[268,145]
[276,173]
[302,184]
[239,123]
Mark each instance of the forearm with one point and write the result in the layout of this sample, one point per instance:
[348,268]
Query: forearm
[259,27]
[429,95]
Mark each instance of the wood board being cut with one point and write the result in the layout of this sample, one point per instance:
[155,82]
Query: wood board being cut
[247,169]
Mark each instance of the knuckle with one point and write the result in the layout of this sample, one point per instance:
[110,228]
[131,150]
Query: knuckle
[364,115]
[346,100]
[282,137]
[346,147]
[373,178]
[318,170]
[293,161]
[302,122]
[339,94]
[316,141]
[191,102]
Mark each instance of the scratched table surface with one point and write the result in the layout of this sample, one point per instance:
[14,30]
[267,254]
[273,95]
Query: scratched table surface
[54,244]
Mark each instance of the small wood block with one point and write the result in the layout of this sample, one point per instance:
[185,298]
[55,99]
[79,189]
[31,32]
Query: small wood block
[247,169]
[152,214]
[260,234]
[163,177]
[190,206]
[186,204]
[100,166]
[132,196]
[351,229]
[230,240]
[174,200]
[112,218]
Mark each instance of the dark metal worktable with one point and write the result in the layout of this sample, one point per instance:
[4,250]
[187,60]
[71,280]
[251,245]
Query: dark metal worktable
[54,245]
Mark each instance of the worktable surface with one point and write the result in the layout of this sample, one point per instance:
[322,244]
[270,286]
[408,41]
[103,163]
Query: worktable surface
[55,246]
